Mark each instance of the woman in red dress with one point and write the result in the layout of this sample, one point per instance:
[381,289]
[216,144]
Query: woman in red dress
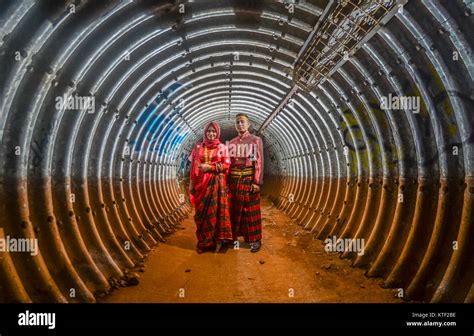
[208,191]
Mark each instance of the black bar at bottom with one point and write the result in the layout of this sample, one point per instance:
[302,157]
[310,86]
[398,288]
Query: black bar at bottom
[432,319]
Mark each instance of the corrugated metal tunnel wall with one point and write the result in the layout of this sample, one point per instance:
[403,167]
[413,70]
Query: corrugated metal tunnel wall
[99,190]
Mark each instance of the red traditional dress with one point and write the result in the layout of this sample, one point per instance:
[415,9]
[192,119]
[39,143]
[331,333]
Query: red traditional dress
[210,198]
[246,154]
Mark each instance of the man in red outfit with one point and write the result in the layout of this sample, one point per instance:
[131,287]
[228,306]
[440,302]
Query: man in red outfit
[245,180]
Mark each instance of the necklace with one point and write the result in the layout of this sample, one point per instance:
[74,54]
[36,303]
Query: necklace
[208,155]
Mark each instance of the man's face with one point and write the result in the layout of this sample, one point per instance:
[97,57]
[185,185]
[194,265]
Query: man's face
[242,124]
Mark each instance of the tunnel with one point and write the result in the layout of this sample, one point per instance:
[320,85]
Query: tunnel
[102,102]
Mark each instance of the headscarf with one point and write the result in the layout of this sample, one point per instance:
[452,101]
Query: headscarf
[212,143]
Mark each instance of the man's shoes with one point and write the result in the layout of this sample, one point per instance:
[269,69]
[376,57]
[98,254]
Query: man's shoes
[255,247]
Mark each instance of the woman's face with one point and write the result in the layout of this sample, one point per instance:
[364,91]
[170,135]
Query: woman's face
[211,133]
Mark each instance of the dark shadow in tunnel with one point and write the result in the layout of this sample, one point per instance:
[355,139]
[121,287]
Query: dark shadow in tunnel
[248,13]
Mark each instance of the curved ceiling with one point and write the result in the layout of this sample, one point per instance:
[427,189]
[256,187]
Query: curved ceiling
[100,185]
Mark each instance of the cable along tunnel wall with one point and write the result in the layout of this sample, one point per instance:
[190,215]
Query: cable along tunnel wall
[99,186]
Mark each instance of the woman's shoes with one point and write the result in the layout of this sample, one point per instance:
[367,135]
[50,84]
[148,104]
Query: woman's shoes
[219,245]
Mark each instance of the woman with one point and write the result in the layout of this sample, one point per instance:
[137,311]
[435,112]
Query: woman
[208,191]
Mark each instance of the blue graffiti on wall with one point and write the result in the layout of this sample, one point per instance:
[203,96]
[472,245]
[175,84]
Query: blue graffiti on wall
[160,127]
[183,164]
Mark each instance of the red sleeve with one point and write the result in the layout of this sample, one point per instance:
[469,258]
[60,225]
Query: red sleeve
[258,179]
[225,159]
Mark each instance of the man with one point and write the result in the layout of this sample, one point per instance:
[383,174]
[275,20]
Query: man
[245,180]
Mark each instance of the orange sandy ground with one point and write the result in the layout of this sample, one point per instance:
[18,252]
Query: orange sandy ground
[290,267]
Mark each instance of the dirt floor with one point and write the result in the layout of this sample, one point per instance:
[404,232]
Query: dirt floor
[290,267]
